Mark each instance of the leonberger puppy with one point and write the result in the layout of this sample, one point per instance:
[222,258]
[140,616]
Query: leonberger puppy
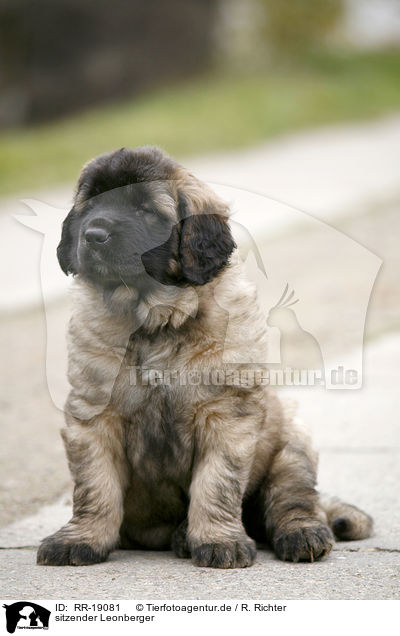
[167,445]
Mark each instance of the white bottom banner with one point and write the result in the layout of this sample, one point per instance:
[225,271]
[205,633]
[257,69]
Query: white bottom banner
[296,617]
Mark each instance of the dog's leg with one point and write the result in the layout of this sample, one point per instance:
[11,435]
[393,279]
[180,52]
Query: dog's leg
[100,471]
[296,524]
[216,536]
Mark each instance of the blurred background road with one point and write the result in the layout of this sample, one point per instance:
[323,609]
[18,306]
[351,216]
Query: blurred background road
[299,102]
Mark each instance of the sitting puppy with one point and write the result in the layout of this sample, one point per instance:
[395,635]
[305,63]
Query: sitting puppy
[162,456]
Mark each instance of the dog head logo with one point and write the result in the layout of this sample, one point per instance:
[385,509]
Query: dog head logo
[26,615]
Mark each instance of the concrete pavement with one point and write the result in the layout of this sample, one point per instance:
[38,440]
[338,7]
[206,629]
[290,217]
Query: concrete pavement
[362,575]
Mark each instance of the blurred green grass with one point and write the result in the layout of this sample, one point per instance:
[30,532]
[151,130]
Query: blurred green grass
[219,111]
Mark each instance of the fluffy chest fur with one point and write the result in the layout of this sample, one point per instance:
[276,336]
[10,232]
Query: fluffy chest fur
[161,375]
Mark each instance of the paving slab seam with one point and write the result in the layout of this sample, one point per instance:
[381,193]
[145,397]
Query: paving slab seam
[368,549]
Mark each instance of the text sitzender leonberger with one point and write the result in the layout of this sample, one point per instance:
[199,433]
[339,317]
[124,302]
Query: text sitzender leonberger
[161,460]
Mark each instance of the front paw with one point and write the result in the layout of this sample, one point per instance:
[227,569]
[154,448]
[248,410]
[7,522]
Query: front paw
[55,551]
[236,554]
[309,543]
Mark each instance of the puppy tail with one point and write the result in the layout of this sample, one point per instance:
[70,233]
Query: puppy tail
[348,523]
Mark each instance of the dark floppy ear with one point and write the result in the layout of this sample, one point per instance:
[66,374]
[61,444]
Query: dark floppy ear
[205,246]
[66,250]
[66,247]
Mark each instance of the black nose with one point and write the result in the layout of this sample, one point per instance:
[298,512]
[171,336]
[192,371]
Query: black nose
[96,235]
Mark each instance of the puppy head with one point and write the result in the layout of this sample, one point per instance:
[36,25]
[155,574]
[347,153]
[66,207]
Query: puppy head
[138,214]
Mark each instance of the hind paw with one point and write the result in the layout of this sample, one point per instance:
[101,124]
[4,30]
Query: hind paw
[353,526]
